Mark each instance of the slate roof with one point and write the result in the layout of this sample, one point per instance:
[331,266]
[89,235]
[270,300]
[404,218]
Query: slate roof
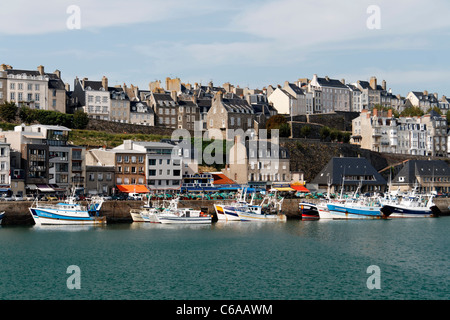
[337,167]
[324,82]
[421,168]
[237,105]
[425,97]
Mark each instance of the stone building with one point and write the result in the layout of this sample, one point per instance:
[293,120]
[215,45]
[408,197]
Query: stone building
[229,112]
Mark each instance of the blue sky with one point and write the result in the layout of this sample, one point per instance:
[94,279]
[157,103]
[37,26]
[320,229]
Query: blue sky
[251,43]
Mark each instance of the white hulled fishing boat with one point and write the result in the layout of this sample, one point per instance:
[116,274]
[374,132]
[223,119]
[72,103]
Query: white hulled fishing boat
[69,212]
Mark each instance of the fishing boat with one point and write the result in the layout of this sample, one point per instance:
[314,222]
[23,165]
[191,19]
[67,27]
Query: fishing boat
[357,210]
[309,211]
[268,210]
[227,211]
[174,215]
[146,213]
[412,206]
[2,214]
[69,212]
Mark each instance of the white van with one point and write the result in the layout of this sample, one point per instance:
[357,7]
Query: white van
[134,196]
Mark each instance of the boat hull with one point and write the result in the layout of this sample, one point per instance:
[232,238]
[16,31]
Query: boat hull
[309,211]
[60,217]
[250,216]
[398,211]
[183,220]
[220,212]
[230,213]
[2,214]
[355,212]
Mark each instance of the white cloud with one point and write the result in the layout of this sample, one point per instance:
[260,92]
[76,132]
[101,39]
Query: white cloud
[314,22]
[24,17]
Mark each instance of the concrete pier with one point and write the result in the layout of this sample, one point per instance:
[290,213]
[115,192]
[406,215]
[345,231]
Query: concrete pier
[17,213]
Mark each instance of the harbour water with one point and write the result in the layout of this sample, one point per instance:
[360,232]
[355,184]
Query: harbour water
[295,260]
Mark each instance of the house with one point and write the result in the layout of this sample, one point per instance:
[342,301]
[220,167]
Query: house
[165,109]
[371,92]
[335,95]
[50,164]
[229,112]
[120,105]
[93,97]
[5,167]
[425,175]
[423,100]
[188,112]
[347,174]
[34,88]
[436,126]
[141,113]
[100,180]
[258,163]
[3,84]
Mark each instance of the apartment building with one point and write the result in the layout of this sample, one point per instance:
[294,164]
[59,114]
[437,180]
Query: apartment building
[381,132]
[141,113]
[230,112]
[93,97]
[258,163]
[423,100]
[371,92]
[120,105]
[165,109]
[48,162]
[3,84]
[5,167]
[335,95]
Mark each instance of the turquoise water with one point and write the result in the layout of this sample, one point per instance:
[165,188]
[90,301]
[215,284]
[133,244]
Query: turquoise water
[296,260]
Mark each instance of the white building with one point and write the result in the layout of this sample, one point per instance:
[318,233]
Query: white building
[27,87]
[93,97]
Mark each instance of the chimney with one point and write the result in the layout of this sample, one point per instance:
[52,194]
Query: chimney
[105,83]
[373,83]
[41,70]
[436,95]
[173,95]
[383,85]
[219,96]
[343,81]
[425,93]
[375,112]
[194,99]
[3,67]
[67,87]
[128,144]
[58,73]
[327,78]
[83,82]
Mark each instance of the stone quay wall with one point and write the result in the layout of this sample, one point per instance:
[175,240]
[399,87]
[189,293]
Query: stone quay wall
[17,213]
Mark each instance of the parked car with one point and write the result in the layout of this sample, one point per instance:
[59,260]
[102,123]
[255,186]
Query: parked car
[29,197]
[8,198]
[52,198]
[17,198]
[134,196]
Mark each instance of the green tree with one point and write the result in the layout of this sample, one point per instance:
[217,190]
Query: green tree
[412,112]
[305,131]
[8,111]
[285,130]
[324,133]
[80,120]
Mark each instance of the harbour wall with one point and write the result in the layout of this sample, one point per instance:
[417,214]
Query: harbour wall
[17,213]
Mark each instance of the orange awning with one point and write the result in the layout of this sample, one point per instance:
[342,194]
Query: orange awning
[299,187]
[132,188]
